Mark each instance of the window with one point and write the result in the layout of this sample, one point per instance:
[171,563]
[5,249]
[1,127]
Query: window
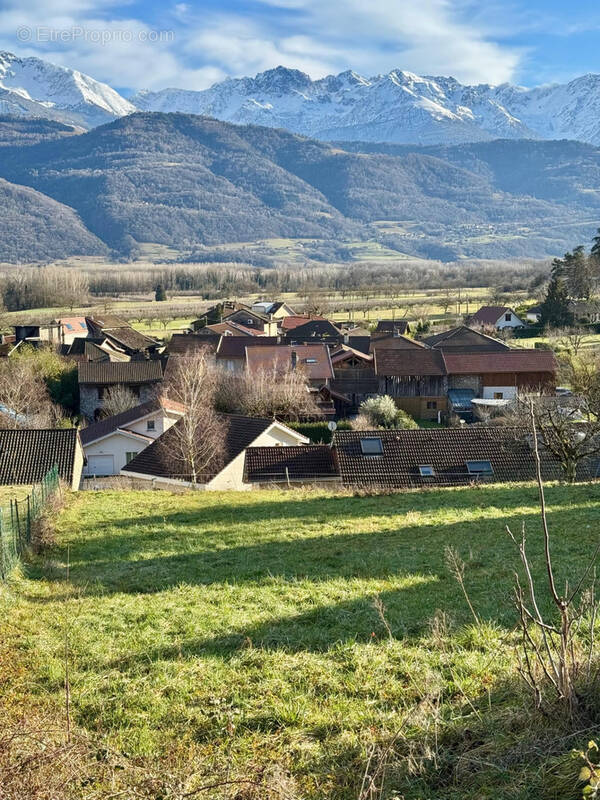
[68,326]
[151,425]
[432,404]
[129,457]
[479,468]
[507,317]
[371,447]
[498,395]
[83,325]
[311,361]
[426,470]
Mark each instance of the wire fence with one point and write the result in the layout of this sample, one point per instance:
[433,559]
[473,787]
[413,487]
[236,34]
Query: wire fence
[16,521]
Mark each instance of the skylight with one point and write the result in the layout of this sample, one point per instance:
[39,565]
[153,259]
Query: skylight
[479,468]
[426,470]
[372,446]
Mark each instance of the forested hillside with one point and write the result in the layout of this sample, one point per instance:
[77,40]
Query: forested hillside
[187,181]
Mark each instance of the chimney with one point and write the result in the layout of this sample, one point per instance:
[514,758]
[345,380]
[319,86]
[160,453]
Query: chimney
[294,359]
[346,338]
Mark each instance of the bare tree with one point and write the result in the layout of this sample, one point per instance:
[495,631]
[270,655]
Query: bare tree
[24,399]
[118,399]
[567,427]
[278,392]
[197,440]
[551,655]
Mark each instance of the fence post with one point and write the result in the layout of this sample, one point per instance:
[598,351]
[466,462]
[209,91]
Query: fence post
[2,557]
[28,519]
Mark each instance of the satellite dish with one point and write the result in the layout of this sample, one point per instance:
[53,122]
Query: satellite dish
[332,425]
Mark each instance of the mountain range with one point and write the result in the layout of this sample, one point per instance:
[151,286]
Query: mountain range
[397,107]
[204,187]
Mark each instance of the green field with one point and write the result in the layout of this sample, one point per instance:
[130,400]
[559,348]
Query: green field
[232,641]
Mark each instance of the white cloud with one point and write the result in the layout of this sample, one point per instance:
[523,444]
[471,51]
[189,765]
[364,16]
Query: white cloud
[317,36]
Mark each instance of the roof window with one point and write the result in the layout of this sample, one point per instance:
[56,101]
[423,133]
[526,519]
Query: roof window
[426,470]
[479,468]
[371,446]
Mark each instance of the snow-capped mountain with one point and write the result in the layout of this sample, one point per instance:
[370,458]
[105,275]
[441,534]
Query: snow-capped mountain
[33,87]
[398,107]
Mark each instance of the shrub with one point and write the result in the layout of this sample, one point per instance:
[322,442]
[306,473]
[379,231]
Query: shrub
[382,412]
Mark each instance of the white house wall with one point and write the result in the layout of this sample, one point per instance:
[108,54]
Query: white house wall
[514,322]
[232,476]
[508,392]
[116,445]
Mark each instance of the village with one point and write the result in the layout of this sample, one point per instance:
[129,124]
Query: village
[367,407]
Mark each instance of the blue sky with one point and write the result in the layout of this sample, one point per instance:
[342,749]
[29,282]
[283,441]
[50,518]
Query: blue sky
[191,44]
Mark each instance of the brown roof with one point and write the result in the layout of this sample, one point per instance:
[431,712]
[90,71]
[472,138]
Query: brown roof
[307,462]
[232,329]
[291,322]
[314,359]
[316,329]
[27,455]
[447,450]
[345,351]
[235,346]
[182,343]
[130,338]
[102,373]
[464,339]
[409,362]
[392,326]
[489,315]
[529,360]
[160,458]
[111,424]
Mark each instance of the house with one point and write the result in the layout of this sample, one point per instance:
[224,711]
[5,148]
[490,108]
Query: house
[231,350]
[36,333]
[113,442]
[415,377]
[354,377]
[441,457]
[142,378]
[158,464]
[228,328]
[313,359]
[279,310]
[291,466]
[502,376]
[397,327]
[27,455]
[320,330]
[72,328]
[465,340]
[294,321]
[118,335]
[91,350]
[585,310]
[534,314]
[498,317]
[188,343]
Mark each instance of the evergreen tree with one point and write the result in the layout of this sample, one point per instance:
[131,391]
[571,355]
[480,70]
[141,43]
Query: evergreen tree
[555,308]
[160,294]
[578,274]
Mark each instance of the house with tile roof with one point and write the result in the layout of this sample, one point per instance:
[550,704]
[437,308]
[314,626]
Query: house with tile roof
[313,359]
[424,458]
[415,377]
[291,466]
[27,455]
[498,317]
[158,464]
[114,441]
[95,378]
[118,334]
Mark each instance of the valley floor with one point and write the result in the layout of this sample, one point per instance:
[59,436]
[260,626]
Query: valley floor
[283,645]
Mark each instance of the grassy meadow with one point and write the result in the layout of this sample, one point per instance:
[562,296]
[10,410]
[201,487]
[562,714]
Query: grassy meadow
[285,645]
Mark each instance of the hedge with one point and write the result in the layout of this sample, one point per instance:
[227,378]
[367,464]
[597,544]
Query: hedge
[318,432]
